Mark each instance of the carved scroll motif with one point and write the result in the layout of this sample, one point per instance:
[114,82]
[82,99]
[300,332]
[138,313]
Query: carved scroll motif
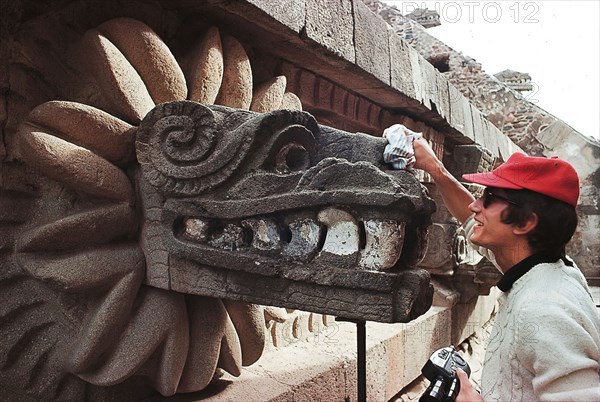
[179,145]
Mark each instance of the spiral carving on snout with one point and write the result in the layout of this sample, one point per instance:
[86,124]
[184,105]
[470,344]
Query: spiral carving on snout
[175,145]
[182,141]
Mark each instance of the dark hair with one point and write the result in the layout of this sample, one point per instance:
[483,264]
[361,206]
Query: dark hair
[557,220]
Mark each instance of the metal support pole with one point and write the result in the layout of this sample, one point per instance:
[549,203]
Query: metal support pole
[361,361]
[361,357]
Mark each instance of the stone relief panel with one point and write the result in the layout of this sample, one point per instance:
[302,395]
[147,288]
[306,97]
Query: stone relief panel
[144,227]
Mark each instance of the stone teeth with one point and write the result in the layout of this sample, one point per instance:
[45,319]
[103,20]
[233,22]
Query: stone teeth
[383,245]
[265,234]
[196,230]
[342,232]
[231,238]
[383,239]
[304,240]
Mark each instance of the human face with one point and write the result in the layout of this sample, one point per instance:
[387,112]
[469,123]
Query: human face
[490,232]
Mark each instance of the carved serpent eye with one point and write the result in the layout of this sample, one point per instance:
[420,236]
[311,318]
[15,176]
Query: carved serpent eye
[292,157]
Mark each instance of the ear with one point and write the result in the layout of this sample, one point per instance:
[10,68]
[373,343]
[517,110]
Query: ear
[527,226]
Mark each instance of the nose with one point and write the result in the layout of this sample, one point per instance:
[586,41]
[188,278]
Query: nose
[476,205]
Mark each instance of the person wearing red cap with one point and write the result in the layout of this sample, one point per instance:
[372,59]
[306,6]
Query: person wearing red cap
[545,341]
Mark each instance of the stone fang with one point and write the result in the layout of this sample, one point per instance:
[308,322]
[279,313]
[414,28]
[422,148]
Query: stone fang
[383,246]
[342,232]
[265,234]
[196,229]
[231,238]
[304,239]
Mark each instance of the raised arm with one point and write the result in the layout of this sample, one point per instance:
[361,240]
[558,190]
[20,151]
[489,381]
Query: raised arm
[456,197]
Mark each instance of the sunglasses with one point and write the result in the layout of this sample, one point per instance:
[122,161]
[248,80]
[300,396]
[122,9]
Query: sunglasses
[489,197]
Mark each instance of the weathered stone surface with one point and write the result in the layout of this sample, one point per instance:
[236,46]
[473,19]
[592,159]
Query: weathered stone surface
[506,147]
[230,357]
[249,321]
[560,139]
[430,93]
[281,333]
[380,299]
[420,81]
[444,295]
[383,244]
[456,117]
[442,250]
[204,357]
[400,65]
[443,100]
[75,166]
[342,235]
[15,206]
[83,271]
[98,226]
[103,325]
[291,101]
[205,68]
[371,42]
[236,88]
[279,207]
[331,25]
[159,275]
[119,80]
[150,57]
[111,137]
[277,314]
[469,128]
[304,243]
[520,82]
[490,135]
[471,159]
[292,13]
[335,105]
[269,95]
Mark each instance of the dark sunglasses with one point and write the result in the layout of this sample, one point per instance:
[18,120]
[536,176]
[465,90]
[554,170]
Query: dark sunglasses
[489,196]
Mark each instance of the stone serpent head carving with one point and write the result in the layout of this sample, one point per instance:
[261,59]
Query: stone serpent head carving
[159,225]
[253,203]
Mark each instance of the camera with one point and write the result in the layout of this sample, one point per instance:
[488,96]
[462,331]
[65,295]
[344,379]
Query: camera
[440,371]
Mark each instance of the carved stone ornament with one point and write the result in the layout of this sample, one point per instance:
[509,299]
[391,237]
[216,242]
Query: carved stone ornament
[274,209]
[150,229]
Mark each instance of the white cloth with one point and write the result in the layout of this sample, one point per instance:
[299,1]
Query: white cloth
[545,340]
[399,151]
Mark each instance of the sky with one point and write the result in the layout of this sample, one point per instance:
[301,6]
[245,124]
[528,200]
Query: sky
[556,42]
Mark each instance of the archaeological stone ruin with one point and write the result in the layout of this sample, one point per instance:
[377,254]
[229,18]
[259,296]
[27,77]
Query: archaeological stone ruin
[194,201]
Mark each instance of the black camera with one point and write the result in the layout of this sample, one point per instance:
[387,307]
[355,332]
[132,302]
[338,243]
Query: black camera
[439,370]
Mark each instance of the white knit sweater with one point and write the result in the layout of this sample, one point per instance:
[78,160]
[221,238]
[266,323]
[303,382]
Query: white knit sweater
[545,341]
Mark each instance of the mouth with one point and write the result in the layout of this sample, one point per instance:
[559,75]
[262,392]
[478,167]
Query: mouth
[330,235]
[330,259]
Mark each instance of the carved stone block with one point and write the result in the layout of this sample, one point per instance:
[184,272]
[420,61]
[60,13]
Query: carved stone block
[471,159]
[263,209]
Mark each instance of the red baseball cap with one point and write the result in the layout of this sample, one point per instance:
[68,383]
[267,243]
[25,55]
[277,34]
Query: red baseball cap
[553,177]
